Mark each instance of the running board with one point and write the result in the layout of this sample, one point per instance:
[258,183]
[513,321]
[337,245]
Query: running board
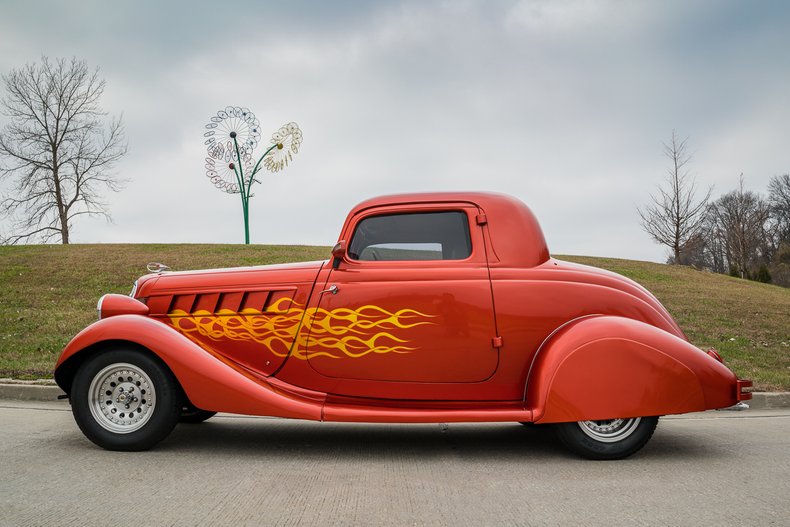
[378,414]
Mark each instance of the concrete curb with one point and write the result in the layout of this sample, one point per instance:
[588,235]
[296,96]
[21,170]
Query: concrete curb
[29,392]
[761,400]
[45,391]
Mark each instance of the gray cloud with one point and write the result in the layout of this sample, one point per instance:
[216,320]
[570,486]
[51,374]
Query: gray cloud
[563,104]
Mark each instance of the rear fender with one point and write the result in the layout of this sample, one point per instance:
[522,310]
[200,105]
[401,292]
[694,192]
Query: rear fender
[210,382]
[605,367]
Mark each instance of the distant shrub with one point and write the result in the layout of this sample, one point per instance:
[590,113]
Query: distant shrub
[762,275]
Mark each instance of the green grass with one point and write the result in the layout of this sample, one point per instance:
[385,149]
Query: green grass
[49,292]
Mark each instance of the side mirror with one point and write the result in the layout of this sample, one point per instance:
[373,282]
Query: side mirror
[338,253]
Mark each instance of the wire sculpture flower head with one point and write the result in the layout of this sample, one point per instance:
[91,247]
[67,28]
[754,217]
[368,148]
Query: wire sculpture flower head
[286,141]
[231,123]
[223,172]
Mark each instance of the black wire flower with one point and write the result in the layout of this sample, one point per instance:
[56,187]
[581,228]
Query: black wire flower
[232,122]
[223,161]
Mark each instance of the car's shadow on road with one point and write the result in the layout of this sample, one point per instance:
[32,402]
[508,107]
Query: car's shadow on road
[262,438]
[355,440]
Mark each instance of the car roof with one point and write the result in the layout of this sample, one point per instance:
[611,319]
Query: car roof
[514,231]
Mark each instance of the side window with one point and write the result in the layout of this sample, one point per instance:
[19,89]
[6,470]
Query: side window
[412,236]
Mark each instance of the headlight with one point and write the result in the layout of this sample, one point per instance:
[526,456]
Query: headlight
[111,305]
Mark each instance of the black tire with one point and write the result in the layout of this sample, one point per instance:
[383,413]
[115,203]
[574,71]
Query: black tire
[125,399]
[193,415]
[607,439]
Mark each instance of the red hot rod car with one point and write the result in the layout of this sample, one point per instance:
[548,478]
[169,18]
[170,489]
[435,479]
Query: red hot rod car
[440,307]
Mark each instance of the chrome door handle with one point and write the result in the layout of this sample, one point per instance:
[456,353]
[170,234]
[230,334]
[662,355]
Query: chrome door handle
[332,289]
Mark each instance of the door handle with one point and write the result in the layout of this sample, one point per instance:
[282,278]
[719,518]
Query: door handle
[332,289]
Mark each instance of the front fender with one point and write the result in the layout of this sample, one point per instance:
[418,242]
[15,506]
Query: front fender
[605,367]
[210,381]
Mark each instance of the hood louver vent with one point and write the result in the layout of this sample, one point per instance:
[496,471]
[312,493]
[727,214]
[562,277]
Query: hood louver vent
[244,302]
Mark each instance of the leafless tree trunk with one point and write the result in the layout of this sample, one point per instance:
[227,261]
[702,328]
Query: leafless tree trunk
[741,219]
[56,148]
[675,216]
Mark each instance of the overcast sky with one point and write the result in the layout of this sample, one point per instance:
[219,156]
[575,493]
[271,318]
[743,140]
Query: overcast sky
[562,104]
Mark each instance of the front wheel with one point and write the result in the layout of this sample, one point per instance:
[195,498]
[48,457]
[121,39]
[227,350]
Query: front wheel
[124,399]
[607,438]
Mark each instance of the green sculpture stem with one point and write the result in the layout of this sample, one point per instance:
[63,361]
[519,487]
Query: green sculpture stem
[258,164]
[239,171]
[246,185]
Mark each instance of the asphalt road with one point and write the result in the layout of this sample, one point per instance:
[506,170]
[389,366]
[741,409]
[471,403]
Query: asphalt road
[717,468]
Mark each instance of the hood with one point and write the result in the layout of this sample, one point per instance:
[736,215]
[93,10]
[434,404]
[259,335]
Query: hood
[208,280]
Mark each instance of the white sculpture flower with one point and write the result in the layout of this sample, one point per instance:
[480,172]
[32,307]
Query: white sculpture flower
[286,143]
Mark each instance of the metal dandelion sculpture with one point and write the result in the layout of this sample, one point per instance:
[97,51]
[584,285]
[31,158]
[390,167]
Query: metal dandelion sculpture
[230,138]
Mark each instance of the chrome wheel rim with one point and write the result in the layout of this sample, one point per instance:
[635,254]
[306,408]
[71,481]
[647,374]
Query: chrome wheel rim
[122,398]
[609,430]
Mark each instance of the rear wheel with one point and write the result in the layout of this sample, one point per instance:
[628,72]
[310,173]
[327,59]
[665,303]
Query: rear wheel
[607,438]
[125,399]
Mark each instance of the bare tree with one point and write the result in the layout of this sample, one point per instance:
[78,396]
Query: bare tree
[56,148]
[675,216]
[741,227]
[715,246]
[779,203]
[779,207]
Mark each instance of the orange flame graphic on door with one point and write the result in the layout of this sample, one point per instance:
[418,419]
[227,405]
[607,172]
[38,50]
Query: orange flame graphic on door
[338,333]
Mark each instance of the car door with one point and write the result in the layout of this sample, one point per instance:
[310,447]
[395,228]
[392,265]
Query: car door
[411,301]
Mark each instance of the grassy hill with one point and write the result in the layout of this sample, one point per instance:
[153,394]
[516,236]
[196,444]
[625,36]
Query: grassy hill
[49,292]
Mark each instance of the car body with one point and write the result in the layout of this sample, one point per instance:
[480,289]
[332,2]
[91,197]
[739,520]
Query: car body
[436,307]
